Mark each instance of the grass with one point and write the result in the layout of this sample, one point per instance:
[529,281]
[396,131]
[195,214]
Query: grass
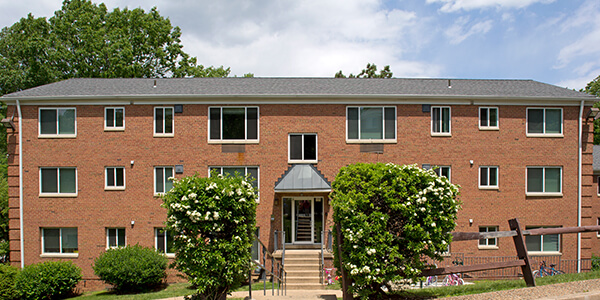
[172,290]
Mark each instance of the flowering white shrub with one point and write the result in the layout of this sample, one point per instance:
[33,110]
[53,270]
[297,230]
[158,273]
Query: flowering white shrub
[391,218]
[212,221]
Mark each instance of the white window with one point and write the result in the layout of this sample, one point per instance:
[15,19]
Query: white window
[59,240]
[442,171]
[542,243]
[488,118]
[252,172]
[233,124]
[598,223]
[163,121]
[115,237]
[58,181]
[57,122]
[115,178]
[371,123]
[163,241]
[488,177]
[162,183]
[491,242]
[544,122]
[302,147]
[114,118]
[440,120]
[544,181]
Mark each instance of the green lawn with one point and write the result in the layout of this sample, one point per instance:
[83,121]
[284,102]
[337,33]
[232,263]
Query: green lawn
[173,290]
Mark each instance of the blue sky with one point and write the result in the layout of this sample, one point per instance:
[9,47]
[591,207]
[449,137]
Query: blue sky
[552,41]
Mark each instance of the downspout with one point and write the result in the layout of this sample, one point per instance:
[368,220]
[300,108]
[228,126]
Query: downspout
[579,179]
[21,185]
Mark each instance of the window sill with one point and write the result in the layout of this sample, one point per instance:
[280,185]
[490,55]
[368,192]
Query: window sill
[57,136]
[59,255]
[545,135]
[156,135]
[170,255]
[219,142]
[489,188]
[542,253]
[58,195]
[120,188]
[114,129]
[371,141]
[489,128]
[480,247]
[543,194]
[444,134]
[302,161]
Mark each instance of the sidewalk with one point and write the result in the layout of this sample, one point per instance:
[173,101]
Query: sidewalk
[291,294]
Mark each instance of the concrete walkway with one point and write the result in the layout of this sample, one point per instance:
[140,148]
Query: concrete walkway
[291,294]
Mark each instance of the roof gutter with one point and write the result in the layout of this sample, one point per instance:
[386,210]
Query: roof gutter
[21,234]
[579,179]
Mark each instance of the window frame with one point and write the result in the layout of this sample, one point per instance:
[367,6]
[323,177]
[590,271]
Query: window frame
[115,187]
[383,132]
[166,233]
[165,178]
[487,245]
[544,134]
[60,243]
[489,186]
[542,252]
[489,127]
[57,134]
[303,160]
[163,134]
[245,140]
[58,193]
[439,169]
[114,127]
[117,229]
[442,133]
[543,193]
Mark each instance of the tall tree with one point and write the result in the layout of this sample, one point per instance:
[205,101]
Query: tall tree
[86,40]
[369,72]
[593,88]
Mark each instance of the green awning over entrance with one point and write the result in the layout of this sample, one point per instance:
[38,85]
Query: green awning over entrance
[302,178]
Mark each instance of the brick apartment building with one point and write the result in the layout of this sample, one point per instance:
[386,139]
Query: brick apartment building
[93,155]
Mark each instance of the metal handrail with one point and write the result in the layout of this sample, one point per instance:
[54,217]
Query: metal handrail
[278,275]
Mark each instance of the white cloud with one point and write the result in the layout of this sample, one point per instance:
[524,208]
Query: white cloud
[585,20]
[461,29]
[456,5]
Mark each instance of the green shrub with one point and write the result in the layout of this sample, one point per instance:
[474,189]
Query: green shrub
[47,280]
[131,268]
[4,249]
[595,262]
[8,275]
[391,218]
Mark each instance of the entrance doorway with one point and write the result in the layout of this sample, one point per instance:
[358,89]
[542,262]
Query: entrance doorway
[303,219]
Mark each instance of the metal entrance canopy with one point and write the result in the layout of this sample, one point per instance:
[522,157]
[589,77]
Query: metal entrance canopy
[302,178]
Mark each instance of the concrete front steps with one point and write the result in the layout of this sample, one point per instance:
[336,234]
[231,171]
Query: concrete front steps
[303,268]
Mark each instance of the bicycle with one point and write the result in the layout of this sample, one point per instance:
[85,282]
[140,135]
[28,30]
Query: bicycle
[431,280]
[545,271]
[454,278]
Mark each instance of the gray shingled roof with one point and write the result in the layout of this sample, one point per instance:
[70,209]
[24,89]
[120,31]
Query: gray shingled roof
[96,87]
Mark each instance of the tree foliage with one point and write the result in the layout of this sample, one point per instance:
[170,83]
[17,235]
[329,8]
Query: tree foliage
[593,88]
[212,221]
[391,218]
[84,40]
[369,72]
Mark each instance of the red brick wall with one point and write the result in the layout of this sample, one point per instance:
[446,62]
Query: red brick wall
[94,209]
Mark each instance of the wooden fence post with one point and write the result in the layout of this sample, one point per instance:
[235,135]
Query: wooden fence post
[345,279]
[522,252]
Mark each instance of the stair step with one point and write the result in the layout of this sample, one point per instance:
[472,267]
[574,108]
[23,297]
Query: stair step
[304,286]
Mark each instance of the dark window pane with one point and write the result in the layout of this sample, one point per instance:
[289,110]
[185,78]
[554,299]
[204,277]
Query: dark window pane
[535,121]
[494,176]
[67,180]
[390,123]
[310,146]
[112,237]
[110,177]
[533,242]
[215,123]
[550,242]
[158,120]
[296,147]
[234,120]
[371,123]
[535,180]
[48,121]
[483,177]
[69,240]
[120,176]
[66,121]
[168,120]
[159,180]
[553,121]
[51,240]
[552,180]
[445,119]
[169,245]
[493,117]
[110,117]
[160,240]
[252,123]
[352,123]
[445,172]
[49,181]
[168,183]
[253,172]
[119,117]
[233,171]
[121,237]
[435,119]
[483,117]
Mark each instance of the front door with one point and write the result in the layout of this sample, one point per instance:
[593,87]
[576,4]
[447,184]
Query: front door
[303,219]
